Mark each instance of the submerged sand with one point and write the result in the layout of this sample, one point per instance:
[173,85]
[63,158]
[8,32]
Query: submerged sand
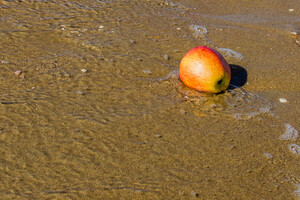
[91,107]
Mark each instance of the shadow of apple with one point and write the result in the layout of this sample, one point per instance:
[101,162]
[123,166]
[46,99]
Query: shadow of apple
[238,76]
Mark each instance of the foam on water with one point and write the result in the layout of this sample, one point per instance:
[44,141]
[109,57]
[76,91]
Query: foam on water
[231,53]
[268,155]
[198,31]
[172,4]
[290,134]
[297,191]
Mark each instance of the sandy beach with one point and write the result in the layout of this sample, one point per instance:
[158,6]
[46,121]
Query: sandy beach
[91,106]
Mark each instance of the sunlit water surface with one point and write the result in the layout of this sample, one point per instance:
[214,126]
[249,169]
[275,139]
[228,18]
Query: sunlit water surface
[92,106]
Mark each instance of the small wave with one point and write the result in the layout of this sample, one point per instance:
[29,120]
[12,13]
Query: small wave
[231,53]
[236,103]
[200,32]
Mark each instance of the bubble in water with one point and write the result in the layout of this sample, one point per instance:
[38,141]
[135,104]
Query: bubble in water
[146,71]
[268,155]
[295,148]
[290,133]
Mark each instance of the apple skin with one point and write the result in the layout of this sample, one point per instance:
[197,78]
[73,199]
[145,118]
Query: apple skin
[205,70]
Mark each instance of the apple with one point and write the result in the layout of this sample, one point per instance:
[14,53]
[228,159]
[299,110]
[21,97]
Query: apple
[205,70]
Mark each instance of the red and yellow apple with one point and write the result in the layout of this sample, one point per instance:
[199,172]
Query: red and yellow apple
[205,70]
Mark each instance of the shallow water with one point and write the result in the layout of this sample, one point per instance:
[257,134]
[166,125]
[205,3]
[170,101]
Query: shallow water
[97,111]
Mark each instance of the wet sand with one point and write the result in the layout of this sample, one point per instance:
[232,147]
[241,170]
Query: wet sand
[97,111]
